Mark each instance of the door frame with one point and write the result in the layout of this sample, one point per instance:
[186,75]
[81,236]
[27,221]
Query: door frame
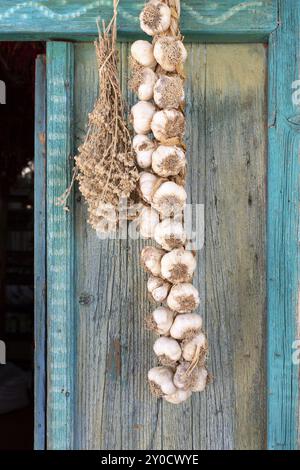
[273,22]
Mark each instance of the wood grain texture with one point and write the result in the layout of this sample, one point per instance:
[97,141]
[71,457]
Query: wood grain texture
[61,332]
[227,20]
[40,254]
[226,140]
[283,231]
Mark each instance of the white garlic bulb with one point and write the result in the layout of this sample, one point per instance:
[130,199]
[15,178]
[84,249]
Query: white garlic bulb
[190,347]
[169,199]
[150,259]
[168,92]
[183,298]
[160,320]
[155,18]
[168,124]
[169,234]
[168,350]
[142,52]
[144,148]
[161,381]
[200,380]
[178,266]
[187,377]
[168,160]
[169,52]
[146,88]
[178,397]
[186,325]
[147,184]
[158,288]
[148,220]
[142,114]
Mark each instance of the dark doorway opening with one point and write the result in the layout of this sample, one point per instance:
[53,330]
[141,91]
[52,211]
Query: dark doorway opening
[17,78]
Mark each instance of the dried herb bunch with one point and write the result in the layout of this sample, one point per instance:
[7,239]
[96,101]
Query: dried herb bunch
[106,168]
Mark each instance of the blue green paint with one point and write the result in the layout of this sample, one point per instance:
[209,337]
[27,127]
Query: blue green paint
[61,332]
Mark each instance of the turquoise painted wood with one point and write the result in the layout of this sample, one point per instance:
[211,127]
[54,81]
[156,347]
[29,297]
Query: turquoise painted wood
[40,254]
[226,20]
[283,230]
[61,331]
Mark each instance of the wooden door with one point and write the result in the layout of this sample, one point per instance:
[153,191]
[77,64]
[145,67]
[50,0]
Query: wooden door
[226,138]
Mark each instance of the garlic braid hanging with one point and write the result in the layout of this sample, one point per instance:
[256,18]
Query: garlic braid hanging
[157,77]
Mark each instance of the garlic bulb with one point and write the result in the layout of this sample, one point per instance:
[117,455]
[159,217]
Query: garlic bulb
[148,219]
[150,259]
[161,381]
[168,161]
[142,113]
[186,325]
[191,378]
[200,380]
[147,185]
[191,346]
[178,266]
[169,199]
[168,92]
[178,397]
[169,52]
[160,320]
[169,234]
[168,124]
[146,88]
[144,148]
[142,52]
[155,18]
[183,298]
[168,350]
[158,288]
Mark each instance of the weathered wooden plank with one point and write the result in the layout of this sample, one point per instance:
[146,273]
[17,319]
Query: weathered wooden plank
[235,245]
[226,20]
[61,331]
[40,254]
[283,231]
[227,174]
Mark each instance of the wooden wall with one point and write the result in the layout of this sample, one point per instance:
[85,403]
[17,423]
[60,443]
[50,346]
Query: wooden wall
[226,137]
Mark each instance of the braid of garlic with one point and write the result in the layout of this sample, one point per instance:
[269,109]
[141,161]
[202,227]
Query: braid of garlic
[158,79]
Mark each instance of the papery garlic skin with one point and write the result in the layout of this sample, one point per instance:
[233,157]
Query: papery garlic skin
[162,378]
[168,349]
[183,298]
[168,124]
[168,92]
[169,53]
[144,148]
[148,220]
[169,199]
[189,347]
[185,325]
[200,380]
[142,114]
[168,160]
[178,397]
[147,185]
[146,88]
[169,234]
[184,378]
[150,259]
[161,320]
[158,288]
[178,266]
[155,18]
[142,52]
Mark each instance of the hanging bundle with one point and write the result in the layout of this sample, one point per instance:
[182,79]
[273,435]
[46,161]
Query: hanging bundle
[105,165]
[157,77]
